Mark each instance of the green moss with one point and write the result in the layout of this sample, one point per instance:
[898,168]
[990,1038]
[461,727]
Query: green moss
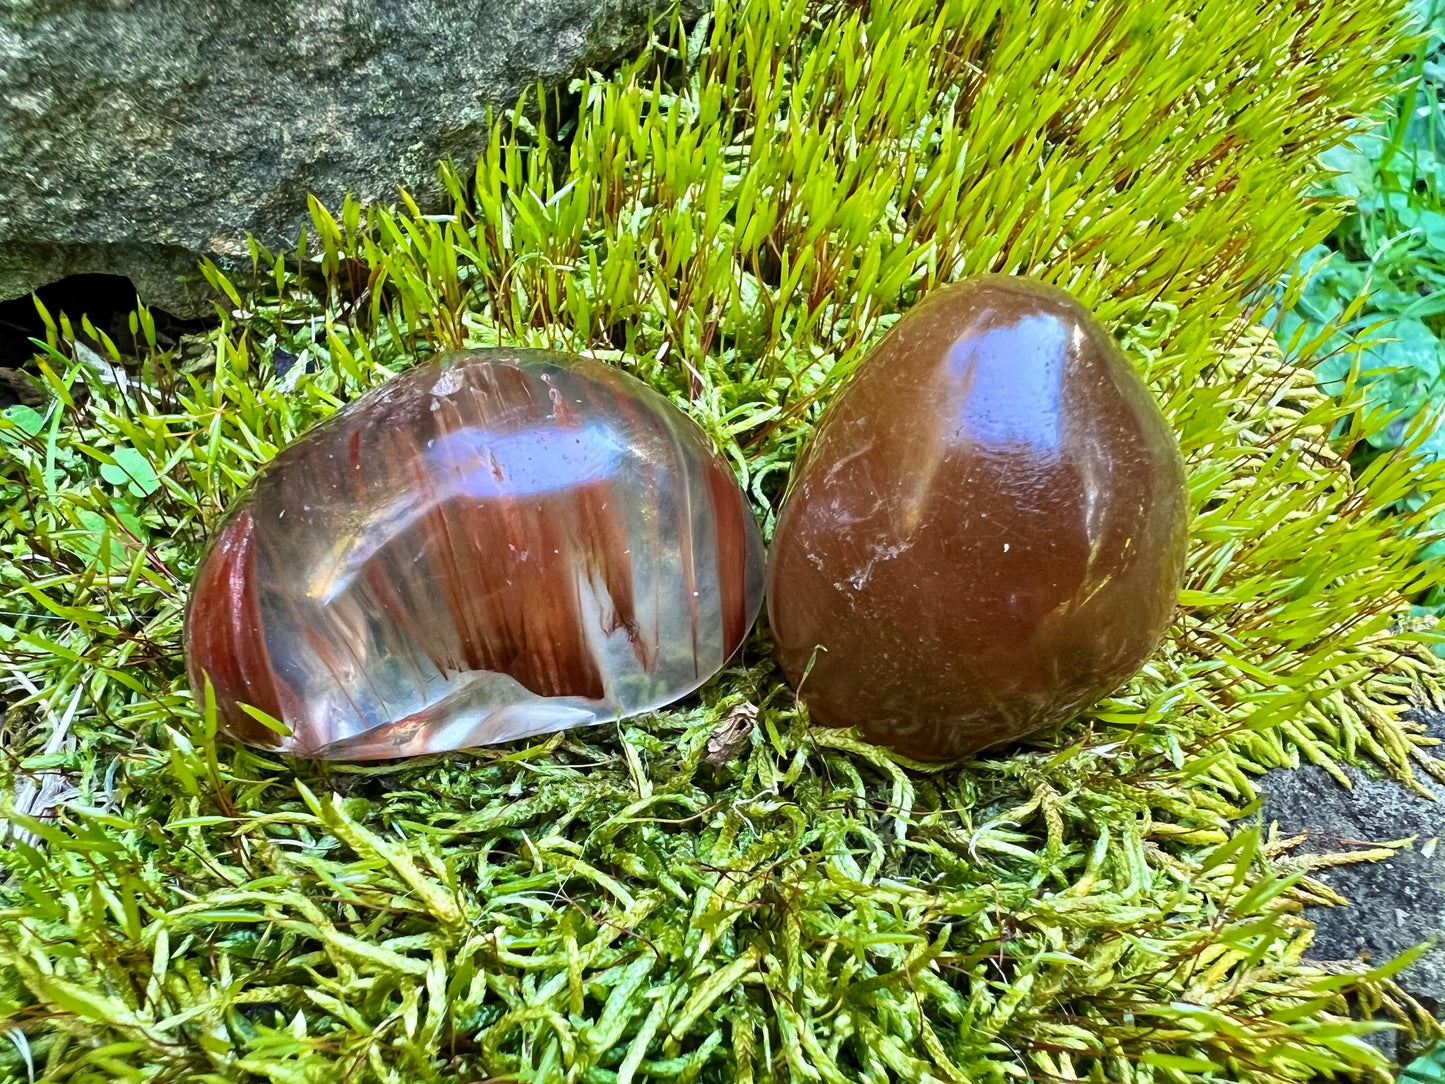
[736,219]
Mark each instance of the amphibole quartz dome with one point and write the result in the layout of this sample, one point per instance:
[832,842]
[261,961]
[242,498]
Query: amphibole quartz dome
[506,543]
[987,531]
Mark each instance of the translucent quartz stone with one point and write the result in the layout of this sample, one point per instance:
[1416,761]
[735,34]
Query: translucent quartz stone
[987,532]
[501,544]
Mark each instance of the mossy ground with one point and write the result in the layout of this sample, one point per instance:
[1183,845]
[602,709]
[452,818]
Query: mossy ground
[717,892]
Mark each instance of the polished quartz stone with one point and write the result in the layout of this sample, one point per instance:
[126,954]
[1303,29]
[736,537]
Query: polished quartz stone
[501,544]
[987,532]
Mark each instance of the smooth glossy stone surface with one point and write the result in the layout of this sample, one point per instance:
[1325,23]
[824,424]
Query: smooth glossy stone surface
[987,532]
[505,543]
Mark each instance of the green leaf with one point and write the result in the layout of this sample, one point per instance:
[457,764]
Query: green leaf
[1428,1068]
[21,418]
[1429,222]
[1354,166]
[132,469]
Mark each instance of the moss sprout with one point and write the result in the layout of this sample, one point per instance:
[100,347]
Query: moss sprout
[717,893]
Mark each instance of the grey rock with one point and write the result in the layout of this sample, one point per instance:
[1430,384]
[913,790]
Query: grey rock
[19,387]
[1395,904]
[139,135]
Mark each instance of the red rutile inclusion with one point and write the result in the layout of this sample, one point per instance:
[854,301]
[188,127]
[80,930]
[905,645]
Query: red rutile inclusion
[501,544]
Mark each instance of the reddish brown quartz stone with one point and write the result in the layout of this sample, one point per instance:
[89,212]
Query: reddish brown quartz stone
[987,533]
[501,544]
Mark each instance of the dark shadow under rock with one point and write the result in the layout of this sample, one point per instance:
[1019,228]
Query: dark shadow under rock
[1395,904]
[107,301]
